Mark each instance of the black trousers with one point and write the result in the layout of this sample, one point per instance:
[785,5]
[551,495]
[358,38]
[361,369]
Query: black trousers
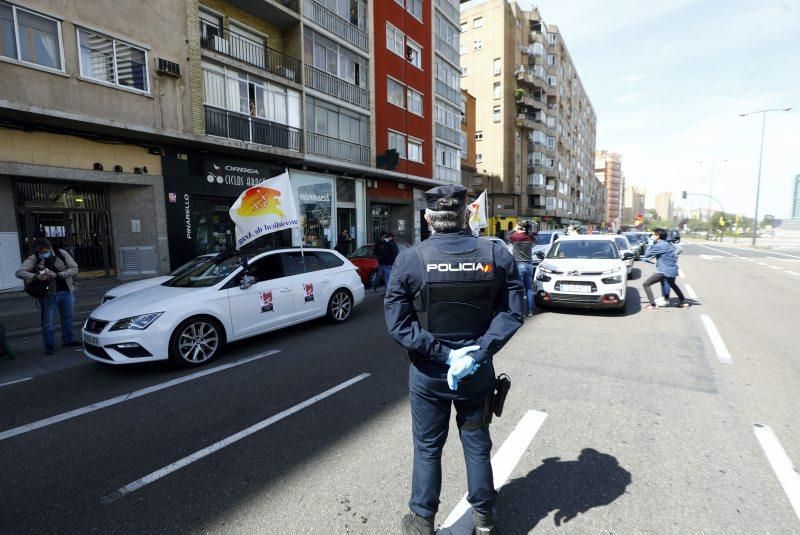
[656,278]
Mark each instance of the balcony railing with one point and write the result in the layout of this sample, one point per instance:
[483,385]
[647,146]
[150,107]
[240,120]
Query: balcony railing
[331,85]
[450,11]
[523,121]
[453,95]
[444,48]
[245,128]
[448,134]
[336,24]
[294,5]
[336,148]
[254,53]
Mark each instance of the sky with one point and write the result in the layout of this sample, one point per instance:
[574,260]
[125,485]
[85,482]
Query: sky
[668,81]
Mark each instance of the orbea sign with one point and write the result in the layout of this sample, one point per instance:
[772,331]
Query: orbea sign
[233,175]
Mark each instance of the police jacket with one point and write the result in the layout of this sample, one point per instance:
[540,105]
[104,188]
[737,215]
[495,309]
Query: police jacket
[468,263]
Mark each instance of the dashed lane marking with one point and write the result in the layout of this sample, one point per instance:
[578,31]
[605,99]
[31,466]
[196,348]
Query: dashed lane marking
[503,463]
[681,274]
[793,273]
[690,291]
[762,264]
[196,456]
[774,267]
[15,382]
[781,464]
[716,340]
[126,397]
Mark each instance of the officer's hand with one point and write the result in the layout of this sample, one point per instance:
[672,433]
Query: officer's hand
[456,354]
[460,369]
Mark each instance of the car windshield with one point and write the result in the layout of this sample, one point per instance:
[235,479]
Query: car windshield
[208,273]
[634,238]
[599,249]
[543,238]
[191,264]
[365,251]
[622,243]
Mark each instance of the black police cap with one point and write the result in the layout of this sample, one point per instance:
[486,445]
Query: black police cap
[450,197]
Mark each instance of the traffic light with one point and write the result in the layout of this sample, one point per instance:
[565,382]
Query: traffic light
[684,194]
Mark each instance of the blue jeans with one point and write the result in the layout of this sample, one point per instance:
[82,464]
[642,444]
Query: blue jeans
[384,272]
[63,302]
[525,270]
[665,289]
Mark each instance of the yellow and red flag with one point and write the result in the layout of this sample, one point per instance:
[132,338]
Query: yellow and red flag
[263,209]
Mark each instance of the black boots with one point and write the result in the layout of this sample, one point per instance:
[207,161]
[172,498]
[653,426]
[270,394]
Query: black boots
[413,524]
[484,524]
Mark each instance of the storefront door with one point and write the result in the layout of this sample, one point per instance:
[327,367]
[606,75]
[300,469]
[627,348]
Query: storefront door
[380,220]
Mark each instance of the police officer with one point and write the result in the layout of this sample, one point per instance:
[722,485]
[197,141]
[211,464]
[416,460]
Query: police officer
[453,301]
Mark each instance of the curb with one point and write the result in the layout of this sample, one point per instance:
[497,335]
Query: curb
[77,322]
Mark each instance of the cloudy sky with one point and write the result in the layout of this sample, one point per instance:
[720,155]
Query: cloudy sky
[669,79]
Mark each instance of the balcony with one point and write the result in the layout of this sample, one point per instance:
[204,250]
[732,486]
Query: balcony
[525,121]
[336,148]
[448,134]
[529,77]
[529,100]
[233,125]
[336,24]
[449,10]
[334,86]
[282,14]
[444,90]
[444,48]
[254,53]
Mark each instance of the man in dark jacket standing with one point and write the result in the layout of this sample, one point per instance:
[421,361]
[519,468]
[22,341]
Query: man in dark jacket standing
[522,243]
[56,266]
[386,252]
[453,302]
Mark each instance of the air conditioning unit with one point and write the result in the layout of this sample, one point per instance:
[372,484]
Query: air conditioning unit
[168,67]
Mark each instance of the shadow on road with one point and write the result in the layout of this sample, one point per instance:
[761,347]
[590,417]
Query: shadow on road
[567,487]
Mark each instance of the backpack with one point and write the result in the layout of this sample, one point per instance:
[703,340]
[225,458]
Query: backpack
[39,288]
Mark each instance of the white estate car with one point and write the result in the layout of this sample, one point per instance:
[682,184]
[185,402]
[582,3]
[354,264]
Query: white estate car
[128,287]
[584,271]
[190,317]
[624,246]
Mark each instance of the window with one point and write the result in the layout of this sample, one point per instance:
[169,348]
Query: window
[399,2]
[551,59]
[415,150]
[478,158]
[551,142]
[415,102]
[463,48]
[326,55]
[210,26]
[464,148]
[448,116]
[396,93]
[477,22]
[398,143]
[332,121]
[112,61]
[38,37]
[478,44]
[550,203]
[497,92]
[479,135]
[551,80]
[551,38]
[415,8]
[414,54]
[329,259]
[496,114]
[508,203]
[266,269]
[464,26]
[496,66]
[395,40]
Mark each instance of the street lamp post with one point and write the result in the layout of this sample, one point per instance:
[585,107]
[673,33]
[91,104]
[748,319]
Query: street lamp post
[760,159]
[711,183]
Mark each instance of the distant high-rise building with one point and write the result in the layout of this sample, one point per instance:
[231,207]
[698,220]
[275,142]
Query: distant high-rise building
[632,204]
[796,198]
[608,170]
[664,206]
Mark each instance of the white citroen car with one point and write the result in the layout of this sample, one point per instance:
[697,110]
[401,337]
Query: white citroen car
[188,318]
[585,271]
[128,287]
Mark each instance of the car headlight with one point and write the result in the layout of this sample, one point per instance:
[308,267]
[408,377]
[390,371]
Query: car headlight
[616,279]
[138,323]
[610,271]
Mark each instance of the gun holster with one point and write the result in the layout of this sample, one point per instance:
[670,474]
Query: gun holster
[494,404]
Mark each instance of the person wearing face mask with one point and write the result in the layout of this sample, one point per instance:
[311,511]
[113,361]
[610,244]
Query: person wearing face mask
[58,269]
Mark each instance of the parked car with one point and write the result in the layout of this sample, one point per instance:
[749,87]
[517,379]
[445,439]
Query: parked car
[189,318]
[673,235]
[585,271]
[544,240]
[638,241]
[625,246]
[364,259]
[124,289]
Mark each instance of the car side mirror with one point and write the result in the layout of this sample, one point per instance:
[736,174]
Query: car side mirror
[247,282]
[627,256]
[539,255]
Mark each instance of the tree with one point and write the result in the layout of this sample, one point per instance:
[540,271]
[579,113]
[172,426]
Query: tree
[767,221]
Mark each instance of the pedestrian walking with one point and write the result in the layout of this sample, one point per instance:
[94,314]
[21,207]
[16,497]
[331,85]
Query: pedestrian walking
[666,269]
[453,302]
[386,252]
[343,243]
[522,246]
[48,274]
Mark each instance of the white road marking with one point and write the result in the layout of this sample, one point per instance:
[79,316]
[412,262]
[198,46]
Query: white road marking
[125,397]
[783,259]
[781,464]
[748,250]
[196,456]
[503,463]
[774,267]
[793,273]
[690,291]
[709,256]
[762,264]
[15,382]
[716,340]
[681,274]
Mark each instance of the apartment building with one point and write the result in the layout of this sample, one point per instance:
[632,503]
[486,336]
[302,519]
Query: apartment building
[470,177]
[633,204]
[664,206]
[126,143]
[535,125]
[608,170]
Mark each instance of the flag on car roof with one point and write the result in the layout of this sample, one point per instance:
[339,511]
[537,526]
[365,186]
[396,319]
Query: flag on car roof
[263,209]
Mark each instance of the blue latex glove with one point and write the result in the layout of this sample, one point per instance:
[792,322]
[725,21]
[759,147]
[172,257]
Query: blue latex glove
[464,366]
[456,354]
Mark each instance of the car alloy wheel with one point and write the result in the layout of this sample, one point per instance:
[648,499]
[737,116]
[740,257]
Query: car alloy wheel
[198,341]
[341,306]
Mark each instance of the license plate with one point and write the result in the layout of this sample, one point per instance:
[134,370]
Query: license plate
[89,339]
[582,288]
